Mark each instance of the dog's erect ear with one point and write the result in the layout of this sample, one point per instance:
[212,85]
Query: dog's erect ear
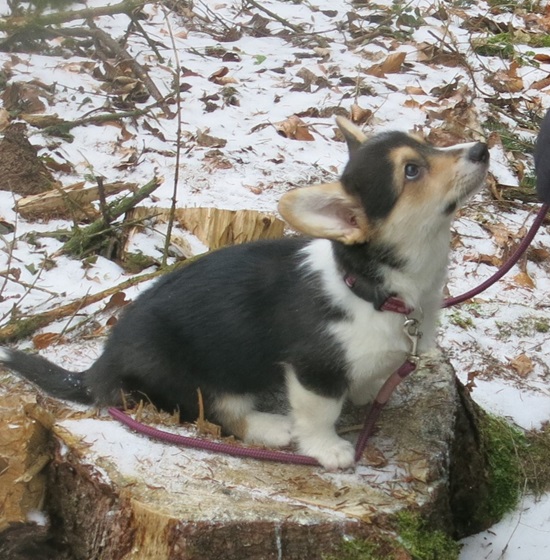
[325,211]
[353,134]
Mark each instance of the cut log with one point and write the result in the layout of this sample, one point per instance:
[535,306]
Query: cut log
[73,201]
[216,227]
[118,495]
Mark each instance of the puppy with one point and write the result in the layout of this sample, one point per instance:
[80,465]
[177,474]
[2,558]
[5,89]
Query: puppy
[252,319]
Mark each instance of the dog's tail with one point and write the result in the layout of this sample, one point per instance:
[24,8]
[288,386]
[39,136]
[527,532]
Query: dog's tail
[55,380]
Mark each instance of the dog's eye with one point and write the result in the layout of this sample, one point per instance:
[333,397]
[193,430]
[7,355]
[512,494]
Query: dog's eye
[412,171]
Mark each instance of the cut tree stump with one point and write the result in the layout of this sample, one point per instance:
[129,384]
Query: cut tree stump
[117,495]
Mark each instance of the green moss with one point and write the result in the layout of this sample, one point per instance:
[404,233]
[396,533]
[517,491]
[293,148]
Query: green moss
[524,326]
[505,446]
[359,550]
[460,320]
[413,539]
[542,325]
[421,542]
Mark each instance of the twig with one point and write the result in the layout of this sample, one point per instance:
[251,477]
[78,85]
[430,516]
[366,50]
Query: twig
[83,238]
[103,201]
[21,328]
[102,37]
[276,17]
[39,21]
[173,203]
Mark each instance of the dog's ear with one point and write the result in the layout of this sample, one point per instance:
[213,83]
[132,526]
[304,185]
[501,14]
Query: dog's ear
[353,134]
[326,211]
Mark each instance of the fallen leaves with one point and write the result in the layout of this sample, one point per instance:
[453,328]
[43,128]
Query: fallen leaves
[523,365]
[221,77]
[390,65]
[294,128]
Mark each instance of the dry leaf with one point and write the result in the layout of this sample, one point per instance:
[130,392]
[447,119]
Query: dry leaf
[375,457]
[360,115]
[391,65]
[221,77]
[524,280]
[538,254]
[207,141]
[522,364]
[541,84]
[481,258]
[116,300]
[414,90]
[43,340]
[295,129]
[4,119]
[507,81]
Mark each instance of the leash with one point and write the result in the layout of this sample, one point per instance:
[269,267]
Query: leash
[410,328]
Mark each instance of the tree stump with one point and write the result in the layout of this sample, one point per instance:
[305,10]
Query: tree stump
[113,494]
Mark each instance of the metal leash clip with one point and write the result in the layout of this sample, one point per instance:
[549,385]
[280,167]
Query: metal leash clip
[413,333]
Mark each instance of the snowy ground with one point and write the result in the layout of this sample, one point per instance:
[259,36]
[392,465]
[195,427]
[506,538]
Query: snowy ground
[242,73]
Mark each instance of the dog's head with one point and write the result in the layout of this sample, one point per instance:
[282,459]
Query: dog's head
[392,180]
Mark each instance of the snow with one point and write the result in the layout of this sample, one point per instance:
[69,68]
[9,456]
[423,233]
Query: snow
[521,535]
[482,338]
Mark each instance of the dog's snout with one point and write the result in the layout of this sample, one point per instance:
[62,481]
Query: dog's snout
[479,153]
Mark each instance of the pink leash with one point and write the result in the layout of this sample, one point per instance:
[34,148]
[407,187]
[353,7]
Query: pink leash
[374,412]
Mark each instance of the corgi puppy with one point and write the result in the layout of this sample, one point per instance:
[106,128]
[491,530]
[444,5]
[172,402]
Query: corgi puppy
[249,320]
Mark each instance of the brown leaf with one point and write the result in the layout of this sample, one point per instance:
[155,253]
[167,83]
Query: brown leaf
[4,119]
[295,129]
[43,340]
[391,65]
[375,457]
[360,115]
[538,254]
[414,90]
[541,84]
[522,364]
[506,81]
[524,280]
[207,141]
[117,300]
[491,260]
[221,77]
[223,71]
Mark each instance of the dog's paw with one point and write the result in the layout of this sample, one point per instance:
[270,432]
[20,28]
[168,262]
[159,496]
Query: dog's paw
[271,430]
[333,453]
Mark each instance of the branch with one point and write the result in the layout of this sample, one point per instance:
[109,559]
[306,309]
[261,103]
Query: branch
[41,20]
[276,17]
[83,238]
[140,72]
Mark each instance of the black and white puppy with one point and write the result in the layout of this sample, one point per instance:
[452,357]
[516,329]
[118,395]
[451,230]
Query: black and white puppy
[247,320]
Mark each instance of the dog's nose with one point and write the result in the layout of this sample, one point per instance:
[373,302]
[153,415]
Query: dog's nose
[479,153]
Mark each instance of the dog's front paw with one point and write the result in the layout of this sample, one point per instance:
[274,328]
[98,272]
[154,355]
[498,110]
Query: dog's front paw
[332,453]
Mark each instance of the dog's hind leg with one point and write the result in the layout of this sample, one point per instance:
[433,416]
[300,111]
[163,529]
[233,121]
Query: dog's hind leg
[238,416]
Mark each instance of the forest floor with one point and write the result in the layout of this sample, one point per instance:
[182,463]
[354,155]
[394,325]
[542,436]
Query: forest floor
[228,104]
